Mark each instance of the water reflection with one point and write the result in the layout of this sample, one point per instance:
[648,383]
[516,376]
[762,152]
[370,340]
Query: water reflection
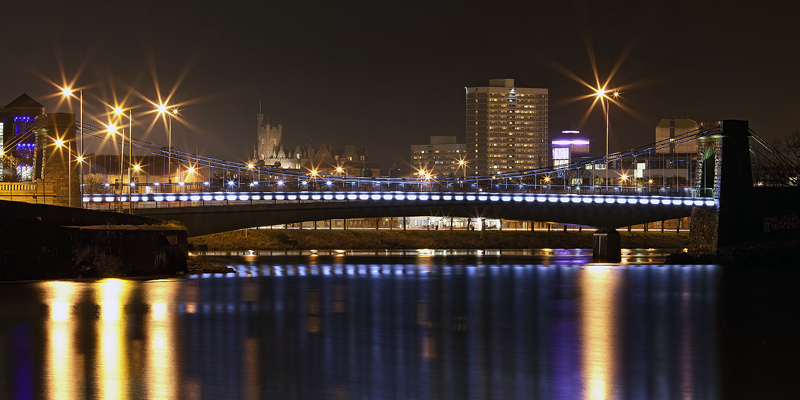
[356,328]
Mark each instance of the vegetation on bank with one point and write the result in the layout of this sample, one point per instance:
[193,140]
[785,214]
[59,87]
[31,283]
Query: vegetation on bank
[323,239]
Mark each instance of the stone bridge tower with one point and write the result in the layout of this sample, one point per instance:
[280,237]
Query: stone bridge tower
[725,171]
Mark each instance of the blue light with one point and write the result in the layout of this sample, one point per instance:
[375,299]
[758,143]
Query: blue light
[328,183]
[304,183]
[157,184]
[230,183]
[280,183]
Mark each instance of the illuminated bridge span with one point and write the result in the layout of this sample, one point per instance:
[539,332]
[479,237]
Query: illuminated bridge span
[205,213]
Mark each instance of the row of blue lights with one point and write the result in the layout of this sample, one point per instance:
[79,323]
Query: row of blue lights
[399,196]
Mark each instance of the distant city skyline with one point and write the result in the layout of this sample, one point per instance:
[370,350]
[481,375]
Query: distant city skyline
[389,76]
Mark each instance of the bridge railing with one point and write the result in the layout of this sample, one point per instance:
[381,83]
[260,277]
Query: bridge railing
[664,166]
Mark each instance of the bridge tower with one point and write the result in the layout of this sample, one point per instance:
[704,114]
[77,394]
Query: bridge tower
[724,169]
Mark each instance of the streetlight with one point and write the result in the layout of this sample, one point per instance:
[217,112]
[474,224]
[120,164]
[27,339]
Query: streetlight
[120,112]
[60,144]
[164,109]
[602,94]
[67,92]
[463,164]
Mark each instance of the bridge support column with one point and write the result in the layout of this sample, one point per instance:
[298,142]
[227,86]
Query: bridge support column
[606,246]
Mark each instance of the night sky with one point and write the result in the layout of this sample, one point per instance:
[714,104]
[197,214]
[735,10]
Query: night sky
[390,74]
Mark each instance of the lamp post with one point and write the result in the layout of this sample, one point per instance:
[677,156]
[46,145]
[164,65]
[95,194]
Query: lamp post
[67,92]
[602,95]
[60,144]
[120,112]
[164,109]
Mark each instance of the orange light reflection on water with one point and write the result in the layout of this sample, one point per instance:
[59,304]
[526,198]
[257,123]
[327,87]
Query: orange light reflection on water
[161,367]
[63,372]
[113,361]
[598,287]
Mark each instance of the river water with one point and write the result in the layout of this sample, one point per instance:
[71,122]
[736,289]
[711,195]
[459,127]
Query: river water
[541,324]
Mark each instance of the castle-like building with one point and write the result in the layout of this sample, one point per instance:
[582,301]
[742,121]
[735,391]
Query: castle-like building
[269,148]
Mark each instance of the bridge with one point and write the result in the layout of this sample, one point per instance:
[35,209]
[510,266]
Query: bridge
[706,174]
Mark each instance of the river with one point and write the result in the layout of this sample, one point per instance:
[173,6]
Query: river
[543,324]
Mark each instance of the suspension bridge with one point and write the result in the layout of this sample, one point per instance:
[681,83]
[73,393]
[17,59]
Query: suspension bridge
[706,171]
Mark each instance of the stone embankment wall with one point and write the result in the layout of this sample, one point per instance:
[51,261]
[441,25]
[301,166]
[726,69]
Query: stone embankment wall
[48,242]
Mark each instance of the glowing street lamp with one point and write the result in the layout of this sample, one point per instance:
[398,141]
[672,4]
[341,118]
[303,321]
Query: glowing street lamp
[162,110]
[60,144]
[602,94]
[67,92]
[120,112]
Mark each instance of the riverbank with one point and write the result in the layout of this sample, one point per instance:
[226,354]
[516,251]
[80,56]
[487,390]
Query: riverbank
[322,239]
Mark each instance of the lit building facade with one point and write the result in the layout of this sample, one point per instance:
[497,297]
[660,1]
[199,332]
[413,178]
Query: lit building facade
[569,146]
[439,158]
[675,127]
[506,128]
[18,140]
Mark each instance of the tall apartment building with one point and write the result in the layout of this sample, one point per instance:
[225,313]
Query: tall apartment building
[506,128]
[439,158]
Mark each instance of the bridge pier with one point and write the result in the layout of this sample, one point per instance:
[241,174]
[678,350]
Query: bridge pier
[606,246]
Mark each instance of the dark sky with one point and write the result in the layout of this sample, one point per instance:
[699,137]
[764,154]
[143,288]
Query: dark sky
[390,74]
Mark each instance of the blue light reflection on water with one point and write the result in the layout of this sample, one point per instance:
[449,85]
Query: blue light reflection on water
[462,327]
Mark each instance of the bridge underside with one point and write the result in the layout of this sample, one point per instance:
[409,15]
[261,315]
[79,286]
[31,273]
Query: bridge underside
[205,220]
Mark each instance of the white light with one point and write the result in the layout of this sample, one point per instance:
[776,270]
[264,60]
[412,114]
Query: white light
[363,197]
[710,202]
[435,197]
[303,197]
[207,197]
[459,198]
[231,197]
[587,199]
[340,196]
[424,197]
[412,197]
[552,199]
[313,197]
[644,201]
[352,196]
[599,200]
[482,197]
[244,197]
[327,197]
[195,198]
[387,197]
[280,183]
[219,197]
[399,196]
[375,197]
[622,200]
[470,198]
[171,198]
